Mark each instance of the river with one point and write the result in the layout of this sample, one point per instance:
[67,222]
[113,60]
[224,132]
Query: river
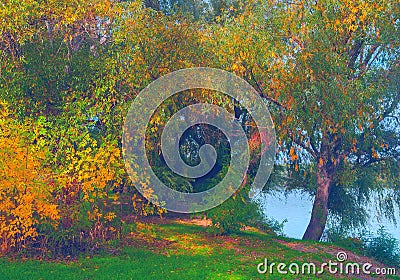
[296,208]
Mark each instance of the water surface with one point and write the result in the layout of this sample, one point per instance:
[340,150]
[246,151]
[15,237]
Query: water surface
[296,208]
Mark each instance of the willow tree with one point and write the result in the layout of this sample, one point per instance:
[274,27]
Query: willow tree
[330,71]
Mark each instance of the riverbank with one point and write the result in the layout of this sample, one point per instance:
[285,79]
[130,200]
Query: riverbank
[183,249]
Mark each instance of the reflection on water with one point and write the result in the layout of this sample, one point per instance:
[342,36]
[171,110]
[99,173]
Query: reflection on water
[296,207]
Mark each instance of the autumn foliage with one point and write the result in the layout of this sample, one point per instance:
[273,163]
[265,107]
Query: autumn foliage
[26,189]
[69,71]
[37,194]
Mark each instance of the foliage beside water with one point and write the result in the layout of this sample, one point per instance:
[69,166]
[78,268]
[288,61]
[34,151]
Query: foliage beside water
[383,247]
[380,245]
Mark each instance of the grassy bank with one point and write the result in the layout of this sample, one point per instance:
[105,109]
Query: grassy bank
[181,250]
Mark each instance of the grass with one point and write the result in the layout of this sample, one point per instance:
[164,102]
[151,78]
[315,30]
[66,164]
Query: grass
[174,251]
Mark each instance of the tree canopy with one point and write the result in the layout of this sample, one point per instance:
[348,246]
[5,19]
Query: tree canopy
[329,71]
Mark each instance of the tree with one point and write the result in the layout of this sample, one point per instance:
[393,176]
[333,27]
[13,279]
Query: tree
[78,66]
[195,8]
[330,71]
[51,61]
[62,63]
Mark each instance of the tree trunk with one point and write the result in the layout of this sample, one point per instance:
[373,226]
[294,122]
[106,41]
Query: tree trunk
[319,212]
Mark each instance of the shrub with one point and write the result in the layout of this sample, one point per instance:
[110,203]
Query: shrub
[25,189]
[383,247]
[234,213]
[271,225]
[47,185]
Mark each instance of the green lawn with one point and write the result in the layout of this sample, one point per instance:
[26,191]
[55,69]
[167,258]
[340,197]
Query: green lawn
[175,251]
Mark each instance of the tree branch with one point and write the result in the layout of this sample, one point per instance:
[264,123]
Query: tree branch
[307,148]
[261,92]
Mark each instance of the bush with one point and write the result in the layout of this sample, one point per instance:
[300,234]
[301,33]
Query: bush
[271,226]
[383,247]
[234,214]
[26,198]
[55,198]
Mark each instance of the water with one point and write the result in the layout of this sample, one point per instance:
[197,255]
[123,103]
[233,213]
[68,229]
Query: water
[296,208]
